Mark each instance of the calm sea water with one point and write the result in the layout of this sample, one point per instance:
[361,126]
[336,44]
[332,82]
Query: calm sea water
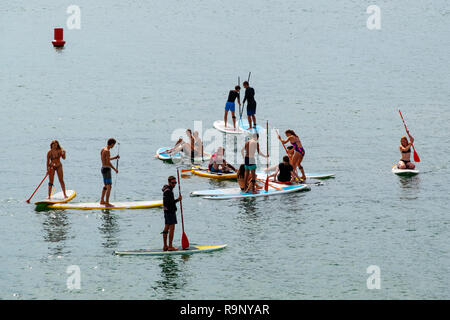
[139,70]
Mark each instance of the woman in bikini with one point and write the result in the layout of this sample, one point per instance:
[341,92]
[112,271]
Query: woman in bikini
[299,151]
[54,164]
[405,149]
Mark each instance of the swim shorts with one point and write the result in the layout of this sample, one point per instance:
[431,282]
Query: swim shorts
[106,172]
[251,108]
[229,106]
[170,218]
[249,164]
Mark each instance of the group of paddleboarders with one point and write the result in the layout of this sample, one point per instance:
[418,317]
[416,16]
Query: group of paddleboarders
[249,97]
[53,164]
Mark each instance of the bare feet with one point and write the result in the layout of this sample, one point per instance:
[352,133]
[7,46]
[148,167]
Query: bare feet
[109,205]
[102,202]
[172,249]
[165,248]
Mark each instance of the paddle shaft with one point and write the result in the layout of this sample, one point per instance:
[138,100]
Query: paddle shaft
[117,168]
[184,239]
[266,186]
[28,201]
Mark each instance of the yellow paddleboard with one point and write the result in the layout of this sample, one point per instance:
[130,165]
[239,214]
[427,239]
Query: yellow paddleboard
[59,197]
[117,205]
[214,175]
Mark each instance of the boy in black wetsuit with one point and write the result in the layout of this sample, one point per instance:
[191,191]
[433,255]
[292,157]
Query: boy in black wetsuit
[251,104]
[229,106]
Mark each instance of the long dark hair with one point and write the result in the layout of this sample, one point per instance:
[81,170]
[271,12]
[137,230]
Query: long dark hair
[291,132]
[57,144]
[241,171]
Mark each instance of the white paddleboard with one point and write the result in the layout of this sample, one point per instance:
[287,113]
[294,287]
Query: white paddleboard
[117,205]
[243,124]
[220,125]
[165,156]
[309,175]
[404,172]
[59,197]
[160,252]
[280,189]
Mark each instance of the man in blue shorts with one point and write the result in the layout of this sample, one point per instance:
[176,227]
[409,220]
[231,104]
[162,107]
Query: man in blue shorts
[106,171]
[251,104]
[229,106]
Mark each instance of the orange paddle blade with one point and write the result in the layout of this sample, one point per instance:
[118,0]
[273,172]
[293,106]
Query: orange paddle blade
[184,241]
[416,156]
[266,185]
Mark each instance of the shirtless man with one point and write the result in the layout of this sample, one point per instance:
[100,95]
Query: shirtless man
[250,148]
[106,171]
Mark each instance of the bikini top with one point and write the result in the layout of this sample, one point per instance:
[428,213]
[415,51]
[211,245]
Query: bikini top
[407,151]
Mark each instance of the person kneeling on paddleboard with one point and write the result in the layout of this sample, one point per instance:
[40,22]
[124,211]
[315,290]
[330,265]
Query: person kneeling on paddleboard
[170,213]
[230,106]
[105,155]
[217,162]
[285,172]
[405,149]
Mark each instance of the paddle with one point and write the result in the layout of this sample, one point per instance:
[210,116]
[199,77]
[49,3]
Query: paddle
[117,167]
[184,239]
[28,201]
[416,156]
[242,111]
[266,186]
[279,189]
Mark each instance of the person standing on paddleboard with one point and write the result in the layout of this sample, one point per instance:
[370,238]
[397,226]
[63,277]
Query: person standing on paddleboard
[54,164]
[251,104]
[250,148]
[405,149]
[299,151]
[170,213]
[230,105]
[217,162]
[105,156]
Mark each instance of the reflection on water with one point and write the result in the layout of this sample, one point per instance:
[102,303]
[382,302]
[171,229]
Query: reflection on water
[172,277]
[410,187]
[56,226]
[109,229]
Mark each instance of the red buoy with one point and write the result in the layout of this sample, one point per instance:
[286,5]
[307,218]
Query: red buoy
[58,42]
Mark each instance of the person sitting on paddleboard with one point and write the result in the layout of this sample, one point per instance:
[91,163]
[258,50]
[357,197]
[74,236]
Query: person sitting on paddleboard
[170,213]
[405,149]
[299,151]
[105,156]
[250,148]
[187,147]
[285,172]
[229,106]
[251,104]
[54,164]
[217,162]
[290,152]
[245,186]
[198,145]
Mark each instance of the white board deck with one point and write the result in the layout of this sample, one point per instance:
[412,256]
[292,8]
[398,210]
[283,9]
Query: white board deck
[404,172]
[260,193]
[59,197]
[220,125]
[160,252]
[117,205]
